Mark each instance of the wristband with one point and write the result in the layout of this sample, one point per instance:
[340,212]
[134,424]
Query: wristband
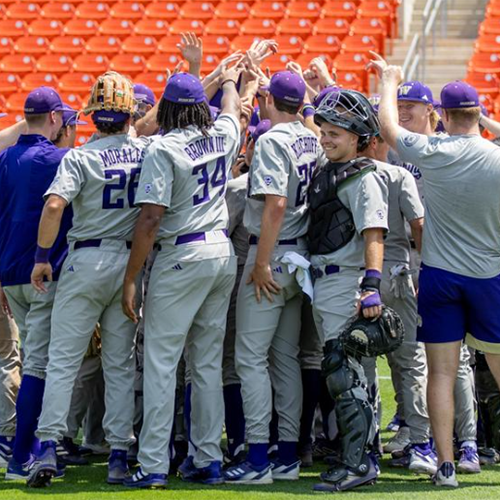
[42,255]
[371,281]
[226,81]
[308,110]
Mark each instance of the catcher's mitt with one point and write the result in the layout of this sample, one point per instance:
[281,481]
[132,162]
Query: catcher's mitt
[111,92]
[365,337]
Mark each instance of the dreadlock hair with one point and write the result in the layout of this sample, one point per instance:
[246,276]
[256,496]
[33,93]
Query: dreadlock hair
[172,115]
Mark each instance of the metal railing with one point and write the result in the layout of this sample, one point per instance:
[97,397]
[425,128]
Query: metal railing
[415,64]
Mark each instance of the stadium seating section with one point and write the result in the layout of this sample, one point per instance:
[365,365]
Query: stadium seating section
[67,43]
[483,71]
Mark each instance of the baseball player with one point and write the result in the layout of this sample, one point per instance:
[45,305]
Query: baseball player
[270,298]
[181,191]
[66,136]
[348,207]
[459,292]
[99,180]
[26,171]
[145,100]
[417,114]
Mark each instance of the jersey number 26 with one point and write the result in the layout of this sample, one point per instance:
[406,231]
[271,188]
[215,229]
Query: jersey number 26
[120,185]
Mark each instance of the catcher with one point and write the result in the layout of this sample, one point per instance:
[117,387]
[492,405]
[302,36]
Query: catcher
[348,208]
[99,181]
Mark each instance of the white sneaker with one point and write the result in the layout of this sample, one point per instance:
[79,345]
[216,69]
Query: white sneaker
[445,476]
[246,473]
[282,472]
[399,441]
[423,460]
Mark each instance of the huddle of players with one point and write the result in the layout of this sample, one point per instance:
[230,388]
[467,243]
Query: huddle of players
[329,201]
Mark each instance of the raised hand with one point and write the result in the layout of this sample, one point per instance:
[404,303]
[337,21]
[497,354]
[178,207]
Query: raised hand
[191,48]
[261,50]
[319,67]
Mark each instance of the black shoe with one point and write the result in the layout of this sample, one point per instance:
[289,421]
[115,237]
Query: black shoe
[306,455]
[68,453]
[232,460]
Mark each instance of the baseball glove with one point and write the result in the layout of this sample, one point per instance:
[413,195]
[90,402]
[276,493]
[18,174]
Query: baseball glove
[365,337]
[111,92]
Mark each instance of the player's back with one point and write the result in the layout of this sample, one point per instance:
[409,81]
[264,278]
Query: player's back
[100,180]
[187,172]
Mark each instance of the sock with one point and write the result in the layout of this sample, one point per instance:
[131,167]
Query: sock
[273,430]
[28,409]
[235,418]
[287,452]
[311,381]
[470,444]
[257,454]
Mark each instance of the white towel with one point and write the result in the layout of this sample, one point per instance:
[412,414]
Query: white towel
[300,266]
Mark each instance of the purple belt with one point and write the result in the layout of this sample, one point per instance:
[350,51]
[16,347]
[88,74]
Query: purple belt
[97,244]
[192,237]
[253,240]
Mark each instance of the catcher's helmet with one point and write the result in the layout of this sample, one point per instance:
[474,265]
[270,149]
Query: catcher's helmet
[350,110]
[366,337]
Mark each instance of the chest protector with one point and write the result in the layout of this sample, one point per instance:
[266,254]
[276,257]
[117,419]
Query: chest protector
[332,225]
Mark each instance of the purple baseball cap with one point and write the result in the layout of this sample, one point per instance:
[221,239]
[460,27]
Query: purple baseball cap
[254,120]
[42,100]
[111,116]
[415,91]
[375,101]
[184,88]
[323,93]
[459,95]
[70,116]
[143,93]
[263,127]
[287,86]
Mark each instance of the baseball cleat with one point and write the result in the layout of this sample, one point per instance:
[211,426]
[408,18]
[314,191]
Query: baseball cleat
[117,467]
[283,472]
[399,441]
[232,460]
[211,474]
[247,473]
[6,446]
[423,459]
[69,453]
[306,456]
[44,468]
[468,462]
[144,480]
[394,424]
[445,476]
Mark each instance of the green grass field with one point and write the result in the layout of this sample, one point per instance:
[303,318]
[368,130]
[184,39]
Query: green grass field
[87,483]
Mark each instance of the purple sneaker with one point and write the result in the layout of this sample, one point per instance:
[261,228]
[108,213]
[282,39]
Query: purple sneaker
[469,461]
[423,459]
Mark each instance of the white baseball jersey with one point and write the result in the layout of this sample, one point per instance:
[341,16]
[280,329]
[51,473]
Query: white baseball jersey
[282,165]
[187,172]
[100,179]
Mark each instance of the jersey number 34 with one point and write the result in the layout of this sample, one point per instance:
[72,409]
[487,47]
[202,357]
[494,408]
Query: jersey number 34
[218,179]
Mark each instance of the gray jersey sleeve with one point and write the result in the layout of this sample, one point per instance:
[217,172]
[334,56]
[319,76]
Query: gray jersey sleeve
[413,147]
[269,169]
[69,179]
[157,177]
[409,199]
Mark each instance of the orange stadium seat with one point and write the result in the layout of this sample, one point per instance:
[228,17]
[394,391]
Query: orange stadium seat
[244,42]
[277,62]
[353,63]
[32,45]
[360,43]
[308,10]
[488,43]
[84,28]
[351,81]
[223,27]
[216,44]
[23,11]
[58,11]
[295,26]
[490,26]
[72,2]
[94,64]
[17,63]
[95,11]
[6,46]
[209,63]
[339,27]
[117,27]
[233,10]
[139,44]
[108,45]
[151,27]
[15,102]
[197,10]
[485,63]
[262,27]
[128,64]
[183,25]
[378,9]
[326,44]
[305,59]
[339,10]
[9,83]
[266,10]
[162,10]
[54,63]
[168,44]
[372,27]
[76,83]
[13,28]
[155,81]
[485,83]
[159,62]
[125,10]
[68,45]
[9,120]
[33,80]
[74,100]
[290,44]
[50,29]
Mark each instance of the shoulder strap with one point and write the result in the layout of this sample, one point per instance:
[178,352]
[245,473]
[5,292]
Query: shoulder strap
[354,168]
